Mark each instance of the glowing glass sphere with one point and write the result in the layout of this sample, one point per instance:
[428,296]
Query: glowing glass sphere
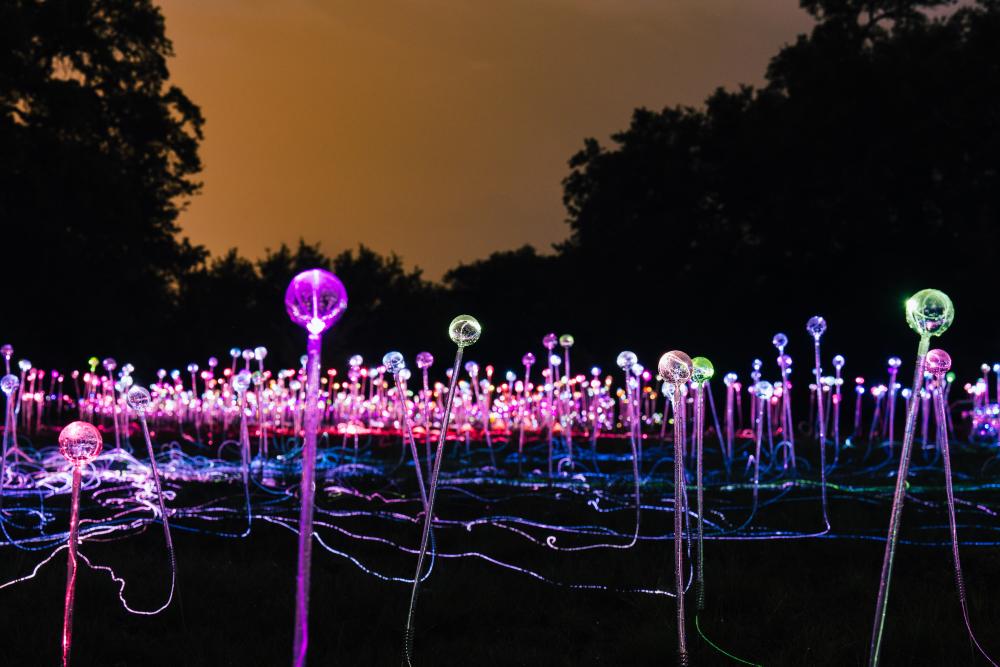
[24,365]
[816,326]
[838,362]
[192,368]
[315,299]
[9,384]
[472,368]
[555,360]
[242,381]
[80,442]
[528,359]
[702,370]
[425,360]
[549,341]
[938,362]
[729,379]
[464,330]
[213,362]
[626,360]
[566,340]
[234,352]
[393,361]
[7,351]
[260,353]
[780,341]
[138,398]
[763,390]
[675,367]
[404,374]
[895,362]
[510,376]
[929,312]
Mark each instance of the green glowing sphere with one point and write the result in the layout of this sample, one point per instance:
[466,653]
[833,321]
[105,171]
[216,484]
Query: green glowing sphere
[702,370]
[464,330]
[929,312]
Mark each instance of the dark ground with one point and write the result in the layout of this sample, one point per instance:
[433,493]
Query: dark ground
[774,602]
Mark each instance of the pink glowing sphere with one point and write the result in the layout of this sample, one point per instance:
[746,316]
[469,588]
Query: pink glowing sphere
[938,362]
[315,300]
[675,367]
[80,442]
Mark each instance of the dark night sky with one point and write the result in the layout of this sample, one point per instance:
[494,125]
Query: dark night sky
[438,129]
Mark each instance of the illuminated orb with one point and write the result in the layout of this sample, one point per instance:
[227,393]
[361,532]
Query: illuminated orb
[9,384]
[929,312]
[242,381]
[702,370]
[393,362]
[315,300]
[675,367]
[80,442]
[763,390]
[816,326]
[425,360]
[464,330]
[938,362]
[626,360]
[138,398]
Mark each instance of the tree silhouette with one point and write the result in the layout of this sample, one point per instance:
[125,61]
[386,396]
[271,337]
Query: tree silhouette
[864,169]
[99,152]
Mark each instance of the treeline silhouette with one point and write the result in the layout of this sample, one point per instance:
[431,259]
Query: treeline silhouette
[866,167]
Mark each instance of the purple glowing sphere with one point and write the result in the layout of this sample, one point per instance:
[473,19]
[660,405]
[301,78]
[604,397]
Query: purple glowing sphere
[315,300]
[80,442]
[938,362]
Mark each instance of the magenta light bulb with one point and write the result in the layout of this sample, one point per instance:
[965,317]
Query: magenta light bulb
[80,443]
[315,300]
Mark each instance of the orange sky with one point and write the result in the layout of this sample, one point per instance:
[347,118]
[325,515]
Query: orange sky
[438,129]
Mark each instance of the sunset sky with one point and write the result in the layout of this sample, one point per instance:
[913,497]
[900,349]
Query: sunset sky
[438,129]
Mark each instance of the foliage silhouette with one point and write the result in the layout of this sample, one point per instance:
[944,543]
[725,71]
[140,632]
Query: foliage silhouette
[864,168]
